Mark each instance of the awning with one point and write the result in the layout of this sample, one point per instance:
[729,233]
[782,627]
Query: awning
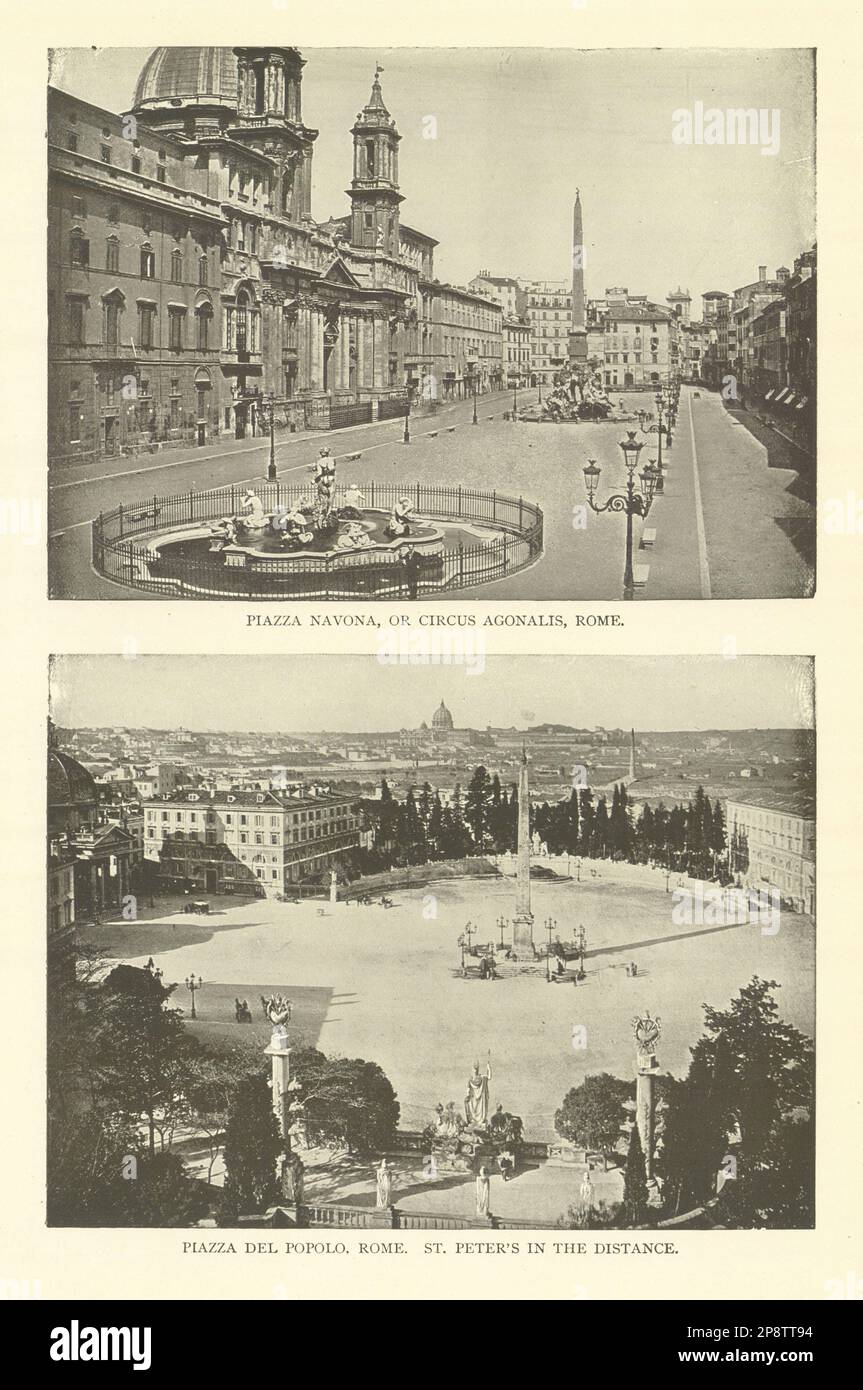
[782,393]
[770,393]
[789,398]
[803,401]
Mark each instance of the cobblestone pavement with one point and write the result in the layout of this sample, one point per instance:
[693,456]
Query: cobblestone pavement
[735,520]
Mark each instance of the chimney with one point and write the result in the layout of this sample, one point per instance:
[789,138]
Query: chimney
[762,272]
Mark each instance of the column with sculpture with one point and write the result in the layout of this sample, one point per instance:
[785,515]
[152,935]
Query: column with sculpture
[277,1011]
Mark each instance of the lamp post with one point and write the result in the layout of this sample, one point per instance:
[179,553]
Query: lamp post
[473,383]
[515,396]
[581,943]
[193,984]
[501,922]
[632,503]
[550,924]
[660,486]
[406,438]
[268,410]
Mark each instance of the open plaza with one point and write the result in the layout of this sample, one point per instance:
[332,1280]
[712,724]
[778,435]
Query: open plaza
[735,519]
[384,984]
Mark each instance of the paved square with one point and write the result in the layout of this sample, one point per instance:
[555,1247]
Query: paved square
[381,984]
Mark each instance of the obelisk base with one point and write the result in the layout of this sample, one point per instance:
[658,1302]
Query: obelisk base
[523,948]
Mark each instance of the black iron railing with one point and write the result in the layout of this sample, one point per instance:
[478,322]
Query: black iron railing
[122,555]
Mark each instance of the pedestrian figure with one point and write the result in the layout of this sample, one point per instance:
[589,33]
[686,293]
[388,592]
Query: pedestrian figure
[411,562]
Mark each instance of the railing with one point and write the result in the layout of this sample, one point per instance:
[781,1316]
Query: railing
[354,413]
[391,406]
[351,1218]
[361,575]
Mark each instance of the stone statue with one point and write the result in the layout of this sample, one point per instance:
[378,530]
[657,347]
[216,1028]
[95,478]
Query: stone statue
[384,1181]
[647,1033]
[277,1012]
[586,1191]
[483,1192]
[401,517]
[253,517]
[325,486]
[476,1101]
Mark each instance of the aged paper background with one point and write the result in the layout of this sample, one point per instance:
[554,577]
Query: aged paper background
[73,1264]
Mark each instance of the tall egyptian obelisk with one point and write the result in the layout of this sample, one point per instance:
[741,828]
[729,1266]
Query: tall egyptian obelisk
[522,922]
[578,333]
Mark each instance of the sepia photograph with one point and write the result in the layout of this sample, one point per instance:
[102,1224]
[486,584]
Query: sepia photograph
[364,945]
[411,323]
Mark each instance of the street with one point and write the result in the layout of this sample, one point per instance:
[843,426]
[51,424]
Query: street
[734,520]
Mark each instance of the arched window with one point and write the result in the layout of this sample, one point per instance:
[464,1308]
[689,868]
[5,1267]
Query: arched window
[176,265]
[148,262]
[203,320]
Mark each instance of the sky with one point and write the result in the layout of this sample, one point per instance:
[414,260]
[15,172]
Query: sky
[359,693]
[518,130]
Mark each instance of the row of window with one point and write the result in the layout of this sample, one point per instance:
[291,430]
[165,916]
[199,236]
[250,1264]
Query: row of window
[112,309]
[106,153]
[258,821]
[615,357]
[79,255]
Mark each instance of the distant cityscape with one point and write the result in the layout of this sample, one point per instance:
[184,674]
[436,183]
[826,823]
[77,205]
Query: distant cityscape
[142,763]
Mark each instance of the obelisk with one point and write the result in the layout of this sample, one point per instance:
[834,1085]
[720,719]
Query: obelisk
[522,922]
[578,333]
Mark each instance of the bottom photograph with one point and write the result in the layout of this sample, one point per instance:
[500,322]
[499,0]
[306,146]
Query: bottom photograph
[439,940]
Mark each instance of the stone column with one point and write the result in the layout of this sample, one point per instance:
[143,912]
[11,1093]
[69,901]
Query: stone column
[302,347]
[290,1166]
[379,378]
[317,355]
[522,925]
[645,1108]
[361,361]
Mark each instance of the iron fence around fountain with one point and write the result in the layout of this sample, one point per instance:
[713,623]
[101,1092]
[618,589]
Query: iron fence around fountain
[118,555]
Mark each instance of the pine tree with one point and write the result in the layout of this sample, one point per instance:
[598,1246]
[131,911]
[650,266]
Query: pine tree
[252,1145]
[587,819]
[635,1192]
[477,802]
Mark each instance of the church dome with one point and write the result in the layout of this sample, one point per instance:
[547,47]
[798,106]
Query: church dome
[442,719]
[187,77]
[69,784]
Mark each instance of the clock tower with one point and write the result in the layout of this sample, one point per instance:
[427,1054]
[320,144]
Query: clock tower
[374,191]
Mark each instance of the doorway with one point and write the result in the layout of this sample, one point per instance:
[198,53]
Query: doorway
[212,880]
[110,434]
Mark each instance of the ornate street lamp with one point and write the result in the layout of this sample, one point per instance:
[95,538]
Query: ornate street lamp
[406,439]
[581,943]
[193,984]
[267,409]
[632,502]
[473,382]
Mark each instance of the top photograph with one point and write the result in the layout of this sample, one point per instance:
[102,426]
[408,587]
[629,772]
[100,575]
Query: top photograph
[431,324]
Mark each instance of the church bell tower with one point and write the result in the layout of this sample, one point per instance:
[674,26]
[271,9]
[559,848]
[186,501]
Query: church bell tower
[374,190]
[270,119]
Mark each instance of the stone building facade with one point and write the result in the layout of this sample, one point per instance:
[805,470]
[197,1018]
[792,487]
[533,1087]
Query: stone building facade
[189,281]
